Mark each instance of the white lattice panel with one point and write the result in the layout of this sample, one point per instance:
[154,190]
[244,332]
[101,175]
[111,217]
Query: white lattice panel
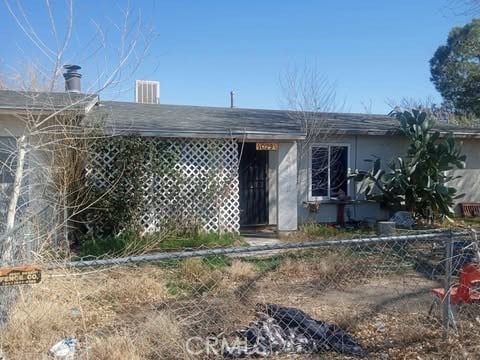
[203,188]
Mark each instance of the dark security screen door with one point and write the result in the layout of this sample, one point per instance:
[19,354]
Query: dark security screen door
[253,185]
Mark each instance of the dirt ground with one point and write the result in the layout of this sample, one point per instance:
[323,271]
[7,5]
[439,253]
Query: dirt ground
[388,315]
[405,293]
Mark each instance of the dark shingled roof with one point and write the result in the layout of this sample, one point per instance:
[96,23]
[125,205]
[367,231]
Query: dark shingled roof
[11,100]
[369,124]
[199,121]
[202,121]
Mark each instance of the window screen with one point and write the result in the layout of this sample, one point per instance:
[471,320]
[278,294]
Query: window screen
[319,171]
[329,170]
[338,169]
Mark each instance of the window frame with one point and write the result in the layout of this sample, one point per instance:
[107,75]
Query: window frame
[310,172]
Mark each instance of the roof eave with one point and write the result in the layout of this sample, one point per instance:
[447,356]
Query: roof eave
[82,106]
[396,132]
[245,135]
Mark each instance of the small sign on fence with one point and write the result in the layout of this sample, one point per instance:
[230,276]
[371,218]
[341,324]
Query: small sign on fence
[267,146]
[20,275]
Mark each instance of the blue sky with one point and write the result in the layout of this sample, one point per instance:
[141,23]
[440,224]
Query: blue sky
[373,50]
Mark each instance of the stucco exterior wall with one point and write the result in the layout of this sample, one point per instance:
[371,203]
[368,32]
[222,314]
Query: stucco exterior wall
[272,187]
[36,180]
[469,181]
[287,194]
[11,125]
[386,148]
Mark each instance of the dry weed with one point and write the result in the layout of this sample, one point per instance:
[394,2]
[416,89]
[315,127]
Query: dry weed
[158,337]
[323,267]
[205,316]
[69,303]
[193,270]
[41,317]
[294,236]
[162,337]
[131,312]
[196,276]
[241,270]
[131,286]
[117,346]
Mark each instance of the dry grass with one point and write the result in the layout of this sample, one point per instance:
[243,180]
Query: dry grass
[158,336]
[41,318]
[241,271]
[67,303]
[116,286]
[327,270]
[116,346]
[196,276]
[194,270]
[315,231]
[119,313]
[321,267]
[131,312]
[164,337]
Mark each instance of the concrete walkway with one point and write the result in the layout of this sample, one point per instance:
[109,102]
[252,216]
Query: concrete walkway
[260,241]
[257,241]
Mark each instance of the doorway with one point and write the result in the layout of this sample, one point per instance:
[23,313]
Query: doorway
[253,181]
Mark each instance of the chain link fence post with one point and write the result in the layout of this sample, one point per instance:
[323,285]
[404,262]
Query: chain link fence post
[447,310]
[474,236]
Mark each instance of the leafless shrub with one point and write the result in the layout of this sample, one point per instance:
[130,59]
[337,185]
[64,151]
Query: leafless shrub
[50,151]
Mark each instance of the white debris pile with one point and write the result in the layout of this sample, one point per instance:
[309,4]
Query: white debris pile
[64,349]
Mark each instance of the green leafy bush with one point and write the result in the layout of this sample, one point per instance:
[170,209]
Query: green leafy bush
[417,182]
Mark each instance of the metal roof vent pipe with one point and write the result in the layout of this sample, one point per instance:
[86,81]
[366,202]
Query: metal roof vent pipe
[232,99]
[72,78]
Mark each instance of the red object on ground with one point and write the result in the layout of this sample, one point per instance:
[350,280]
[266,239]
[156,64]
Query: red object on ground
[465,291]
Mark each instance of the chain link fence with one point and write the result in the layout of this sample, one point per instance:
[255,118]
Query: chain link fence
[342,298]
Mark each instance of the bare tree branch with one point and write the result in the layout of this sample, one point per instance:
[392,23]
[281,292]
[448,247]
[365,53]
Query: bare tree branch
[312,96]
[49,158]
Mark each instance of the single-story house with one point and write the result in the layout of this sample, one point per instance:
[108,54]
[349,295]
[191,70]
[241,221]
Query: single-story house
[278,173]
[278,159]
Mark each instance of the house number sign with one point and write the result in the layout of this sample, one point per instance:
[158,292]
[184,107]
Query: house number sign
[267,146]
